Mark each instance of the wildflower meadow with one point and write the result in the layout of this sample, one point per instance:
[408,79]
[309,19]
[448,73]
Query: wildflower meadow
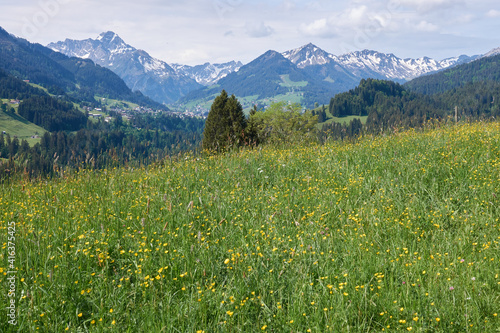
[393,233]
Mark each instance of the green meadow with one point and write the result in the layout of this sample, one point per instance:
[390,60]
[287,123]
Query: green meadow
[15,125]
[395,233]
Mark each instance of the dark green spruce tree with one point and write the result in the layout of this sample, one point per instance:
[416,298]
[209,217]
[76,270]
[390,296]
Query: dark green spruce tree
[252,130]
[225,125]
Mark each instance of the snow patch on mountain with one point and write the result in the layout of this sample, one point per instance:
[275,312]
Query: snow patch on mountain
[493,52]
[207,74]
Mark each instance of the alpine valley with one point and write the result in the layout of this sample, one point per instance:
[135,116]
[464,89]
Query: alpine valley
[307,74]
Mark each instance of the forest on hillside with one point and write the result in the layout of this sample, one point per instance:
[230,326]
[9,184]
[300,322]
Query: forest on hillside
[388,104]
[97,146]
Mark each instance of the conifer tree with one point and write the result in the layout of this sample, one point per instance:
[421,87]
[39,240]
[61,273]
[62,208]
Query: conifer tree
[252,130]
[225,125]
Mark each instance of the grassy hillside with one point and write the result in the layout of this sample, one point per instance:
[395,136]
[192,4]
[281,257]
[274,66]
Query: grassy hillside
[398,233]
[16,125]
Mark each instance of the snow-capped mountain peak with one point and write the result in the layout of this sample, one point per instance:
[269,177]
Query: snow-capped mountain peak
[153,77]
[108,37]
[207,74]
[307,55]
[369,63]
[493,52]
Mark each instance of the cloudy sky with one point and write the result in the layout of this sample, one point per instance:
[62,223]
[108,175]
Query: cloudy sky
[197,31]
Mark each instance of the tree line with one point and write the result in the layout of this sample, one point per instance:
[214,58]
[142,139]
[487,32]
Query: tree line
[52,114]
[388,104]
[60,152]
[100,145]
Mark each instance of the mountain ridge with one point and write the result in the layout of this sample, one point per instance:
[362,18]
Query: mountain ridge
[321,70]
[370,62]
[207,74]
[80,79]
[140,71]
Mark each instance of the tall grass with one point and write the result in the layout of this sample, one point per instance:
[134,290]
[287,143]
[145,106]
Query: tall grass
[386,234]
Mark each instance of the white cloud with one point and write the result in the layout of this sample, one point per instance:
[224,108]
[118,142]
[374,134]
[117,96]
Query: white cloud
[258,29]
[426,26]
[341,23]
[493,13]
[318,28]
[357,15]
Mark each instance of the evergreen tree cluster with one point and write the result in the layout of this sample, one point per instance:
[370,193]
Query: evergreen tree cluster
[13,88]
[388,104]
[168,123]
[341,131]
[52,114]
[91,148]
[322,116]
[358,100]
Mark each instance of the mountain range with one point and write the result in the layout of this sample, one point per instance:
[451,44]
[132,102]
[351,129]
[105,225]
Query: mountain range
[163,82]
[140,71]
[208,74]
[312,75]
[368,63]
[168,83]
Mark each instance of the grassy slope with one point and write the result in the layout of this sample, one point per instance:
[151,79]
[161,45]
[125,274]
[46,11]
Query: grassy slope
[292,84]
[397,233]
[16,125]
[342,120]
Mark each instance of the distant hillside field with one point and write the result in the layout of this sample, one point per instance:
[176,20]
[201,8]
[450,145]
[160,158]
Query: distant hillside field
[15,125]
[396,233]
